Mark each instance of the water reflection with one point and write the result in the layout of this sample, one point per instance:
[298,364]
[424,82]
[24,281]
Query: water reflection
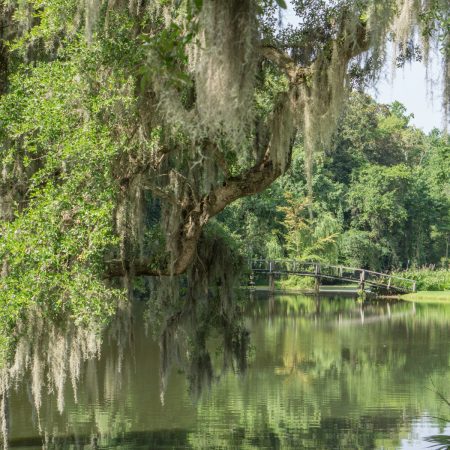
[286,372]
[184,342]
[46,358]
[95,370]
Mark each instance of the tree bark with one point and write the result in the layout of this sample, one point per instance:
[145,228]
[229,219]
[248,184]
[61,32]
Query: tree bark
[5,19]
[255,180]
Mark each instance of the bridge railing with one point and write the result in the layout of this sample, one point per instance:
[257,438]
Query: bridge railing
[316,269]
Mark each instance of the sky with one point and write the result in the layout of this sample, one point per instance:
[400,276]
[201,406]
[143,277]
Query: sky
[407,85]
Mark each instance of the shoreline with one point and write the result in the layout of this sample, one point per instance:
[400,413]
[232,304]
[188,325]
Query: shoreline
[427,297]
[419,297]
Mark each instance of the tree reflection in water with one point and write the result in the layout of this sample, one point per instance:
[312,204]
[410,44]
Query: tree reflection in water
[323,373]
[46,355]
[53,359]
[184,339]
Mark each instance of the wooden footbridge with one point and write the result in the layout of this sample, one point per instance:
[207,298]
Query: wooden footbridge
[366,279]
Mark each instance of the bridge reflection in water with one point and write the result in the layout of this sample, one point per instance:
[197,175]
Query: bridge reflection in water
[382,283]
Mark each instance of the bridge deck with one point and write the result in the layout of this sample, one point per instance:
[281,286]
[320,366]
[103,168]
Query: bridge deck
[381,281]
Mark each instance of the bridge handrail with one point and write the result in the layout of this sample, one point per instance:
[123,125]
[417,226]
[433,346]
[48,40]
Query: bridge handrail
[326,265]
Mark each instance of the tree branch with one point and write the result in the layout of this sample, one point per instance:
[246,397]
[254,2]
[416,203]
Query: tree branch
[285,63]
[140,267]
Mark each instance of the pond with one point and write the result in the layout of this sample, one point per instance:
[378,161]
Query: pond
[286,372]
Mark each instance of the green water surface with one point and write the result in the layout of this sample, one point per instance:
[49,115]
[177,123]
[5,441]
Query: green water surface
[328,373]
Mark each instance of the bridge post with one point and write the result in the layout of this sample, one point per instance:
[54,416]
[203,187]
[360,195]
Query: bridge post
[271,282]
[271,278]
[251,281]
[362,280]
[317,279]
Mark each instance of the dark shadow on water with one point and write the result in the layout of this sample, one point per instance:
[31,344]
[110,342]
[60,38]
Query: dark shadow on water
[333,434]
[176,439]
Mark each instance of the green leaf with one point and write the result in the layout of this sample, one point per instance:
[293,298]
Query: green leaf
[198,4]
[282,4]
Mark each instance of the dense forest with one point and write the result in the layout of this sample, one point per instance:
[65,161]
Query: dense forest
[133,133]
[380,198]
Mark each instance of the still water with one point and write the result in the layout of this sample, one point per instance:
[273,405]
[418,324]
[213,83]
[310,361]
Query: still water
[285,372]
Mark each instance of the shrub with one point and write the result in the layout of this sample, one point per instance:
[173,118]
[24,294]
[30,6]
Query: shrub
[295,282]
[428,279]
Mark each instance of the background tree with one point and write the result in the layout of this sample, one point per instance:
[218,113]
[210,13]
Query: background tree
[386,194]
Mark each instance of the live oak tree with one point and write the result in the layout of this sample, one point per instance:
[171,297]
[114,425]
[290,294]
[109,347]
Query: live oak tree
[127,126]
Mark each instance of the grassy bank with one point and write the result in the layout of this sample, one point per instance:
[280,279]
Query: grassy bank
[428,297]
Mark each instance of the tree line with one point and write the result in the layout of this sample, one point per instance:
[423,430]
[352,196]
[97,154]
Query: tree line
[381,197]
